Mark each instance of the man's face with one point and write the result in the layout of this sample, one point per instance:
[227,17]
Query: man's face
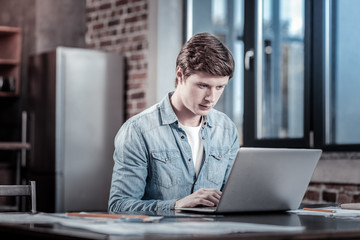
[200,91]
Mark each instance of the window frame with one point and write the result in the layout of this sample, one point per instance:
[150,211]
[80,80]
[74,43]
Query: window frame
[319,85]
[249,86]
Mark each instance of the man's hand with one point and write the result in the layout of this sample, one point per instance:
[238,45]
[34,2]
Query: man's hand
[205,196]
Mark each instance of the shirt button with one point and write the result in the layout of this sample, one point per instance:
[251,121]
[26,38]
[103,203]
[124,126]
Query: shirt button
[203,138]
[195,183]
[219,156]
[182,137]
[166,159]
[189,159]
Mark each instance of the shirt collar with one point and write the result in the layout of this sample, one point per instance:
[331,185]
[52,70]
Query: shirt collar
[168,115]
[207,119]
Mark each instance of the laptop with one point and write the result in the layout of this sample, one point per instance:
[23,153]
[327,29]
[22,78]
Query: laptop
[266,179]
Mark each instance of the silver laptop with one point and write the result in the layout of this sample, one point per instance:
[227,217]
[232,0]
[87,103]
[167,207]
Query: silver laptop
[266,179]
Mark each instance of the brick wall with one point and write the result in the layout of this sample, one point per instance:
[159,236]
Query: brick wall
[332,193]
[339,190]
[121,26]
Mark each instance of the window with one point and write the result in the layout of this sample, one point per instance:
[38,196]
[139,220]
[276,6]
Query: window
[276,110]
[280,77]
[336,75]
[296,82]
[301,83]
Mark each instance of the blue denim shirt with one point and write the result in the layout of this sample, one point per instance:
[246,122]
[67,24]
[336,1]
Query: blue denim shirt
[153,164]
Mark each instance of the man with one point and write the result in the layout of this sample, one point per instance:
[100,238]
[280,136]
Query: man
[179,152]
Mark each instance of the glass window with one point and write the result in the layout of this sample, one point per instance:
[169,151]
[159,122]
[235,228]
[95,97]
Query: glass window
[219,12]
[342,84]
[280,70]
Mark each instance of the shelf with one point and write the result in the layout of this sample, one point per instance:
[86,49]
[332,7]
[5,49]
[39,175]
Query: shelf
[8,94]
[6,208]
[5,30]
[14,145]
[9,61]
[10,58]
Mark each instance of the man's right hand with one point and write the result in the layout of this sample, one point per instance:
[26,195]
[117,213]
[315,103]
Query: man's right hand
[205,196]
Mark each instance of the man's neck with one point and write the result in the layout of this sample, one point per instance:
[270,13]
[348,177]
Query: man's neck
[184,115]
[193,122]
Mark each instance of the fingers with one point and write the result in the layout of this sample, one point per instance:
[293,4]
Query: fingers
[210,197]
[205,196]
[209,192]
[214,201]
[207,203]
[217,194]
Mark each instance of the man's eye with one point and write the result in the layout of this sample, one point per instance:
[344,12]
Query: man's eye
[202,85]
[219,87]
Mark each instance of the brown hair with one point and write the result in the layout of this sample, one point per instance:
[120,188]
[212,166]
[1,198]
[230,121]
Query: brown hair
[204,52]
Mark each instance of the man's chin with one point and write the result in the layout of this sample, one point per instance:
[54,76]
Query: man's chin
[203,112]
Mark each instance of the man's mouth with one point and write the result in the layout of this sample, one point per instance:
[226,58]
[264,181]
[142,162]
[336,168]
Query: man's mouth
[204,107]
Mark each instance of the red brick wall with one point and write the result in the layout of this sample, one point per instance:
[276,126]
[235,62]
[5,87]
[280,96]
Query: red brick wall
[332,193]
[324,192]
[121,26]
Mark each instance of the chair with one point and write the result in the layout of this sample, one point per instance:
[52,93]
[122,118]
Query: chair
[21,190]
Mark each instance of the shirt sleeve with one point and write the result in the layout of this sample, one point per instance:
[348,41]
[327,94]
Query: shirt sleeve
[130,173]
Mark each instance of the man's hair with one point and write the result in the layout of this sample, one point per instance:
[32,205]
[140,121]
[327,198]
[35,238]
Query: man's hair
[205,53]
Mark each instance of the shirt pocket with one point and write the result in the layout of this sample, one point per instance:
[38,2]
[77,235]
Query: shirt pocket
[165,167]
[218,161]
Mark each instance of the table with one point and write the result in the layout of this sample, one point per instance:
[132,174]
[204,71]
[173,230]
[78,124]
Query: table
[316,227]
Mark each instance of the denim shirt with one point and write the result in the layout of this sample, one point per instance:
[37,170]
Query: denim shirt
[153,165]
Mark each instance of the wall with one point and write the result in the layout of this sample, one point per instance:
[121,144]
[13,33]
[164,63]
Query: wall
[59,23]
[149,34]
[336,179]
[332,193]
[165,38]
[122,26]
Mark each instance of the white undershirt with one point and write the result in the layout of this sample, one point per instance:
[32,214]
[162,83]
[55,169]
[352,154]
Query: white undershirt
[197,147]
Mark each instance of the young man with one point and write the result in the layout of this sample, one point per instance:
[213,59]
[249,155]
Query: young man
[179,152]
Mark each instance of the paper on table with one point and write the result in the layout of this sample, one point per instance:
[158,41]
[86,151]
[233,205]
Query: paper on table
[61,217]
[337,212]
[353,206]
[119,217]
[181,228]
[31,218]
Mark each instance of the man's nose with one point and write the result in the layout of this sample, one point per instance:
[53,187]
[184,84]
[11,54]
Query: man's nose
[211,95]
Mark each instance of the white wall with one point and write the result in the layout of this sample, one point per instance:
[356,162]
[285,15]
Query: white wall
[165,41]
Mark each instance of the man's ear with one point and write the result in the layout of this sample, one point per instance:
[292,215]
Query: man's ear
[179,75]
